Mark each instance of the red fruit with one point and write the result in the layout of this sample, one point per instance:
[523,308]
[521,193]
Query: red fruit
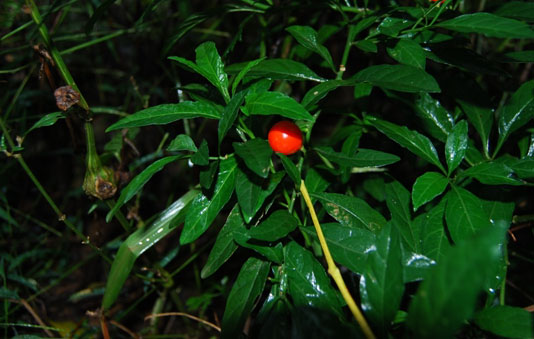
[285,137]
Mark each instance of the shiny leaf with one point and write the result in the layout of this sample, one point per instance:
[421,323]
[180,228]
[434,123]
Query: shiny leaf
[524,168]
[481,118]
[201,157]
[434,241]
[363,158]
[307,37]
[506,321]
[229,114]
[436,119]
[490,25]
[402,78]
[47,120]
[275,103]
[456,146]
[256,154]
[203,210]
[167,113]
[351,211]
[278,69]
[138,182]
[248,66]
[279,224]
[246,289]
[492,173]
[252,191]
[318,92]
[464,214]
[408,52]
[427,187]
[272,252]
[398,202]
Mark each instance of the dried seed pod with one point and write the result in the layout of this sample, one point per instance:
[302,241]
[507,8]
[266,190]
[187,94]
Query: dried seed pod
[66,97]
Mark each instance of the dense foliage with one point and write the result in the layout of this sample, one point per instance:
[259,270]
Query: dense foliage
[140,196]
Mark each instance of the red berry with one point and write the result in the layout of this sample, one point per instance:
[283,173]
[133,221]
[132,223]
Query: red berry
[285,137]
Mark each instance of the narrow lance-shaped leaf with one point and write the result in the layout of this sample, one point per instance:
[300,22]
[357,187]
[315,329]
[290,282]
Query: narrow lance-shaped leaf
[279,224]
[490,25]
[481,118]
[456,146]
[138,182]
[229,114]
[209,61]
[436,119]
[408,52]
[182,142]
[248,66]
[246,289]
[291,170]
[252,191]
[492,173]
[398,202]
[275,103]
[307,37]
[47,120]
[402,78]
[203,209]
[363,157]
[278,69]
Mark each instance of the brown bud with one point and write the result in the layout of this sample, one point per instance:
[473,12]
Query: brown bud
[66,97]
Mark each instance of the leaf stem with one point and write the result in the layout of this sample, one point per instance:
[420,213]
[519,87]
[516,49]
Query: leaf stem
[333,270]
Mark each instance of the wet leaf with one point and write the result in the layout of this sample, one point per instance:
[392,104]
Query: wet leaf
[408,52]
[229,114]
[275,103]
[456,146]
[279,224]
[434,241]
[307,37]
[481,118]
[256,154]
[492,173]
[436,119]
[398,202]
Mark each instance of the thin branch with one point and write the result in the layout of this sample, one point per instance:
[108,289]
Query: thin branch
[181,314]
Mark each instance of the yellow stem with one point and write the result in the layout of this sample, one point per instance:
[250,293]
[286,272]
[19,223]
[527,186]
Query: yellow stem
[333,270]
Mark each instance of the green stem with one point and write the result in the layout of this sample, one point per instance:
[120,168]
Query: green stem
[502,294]
[345,57]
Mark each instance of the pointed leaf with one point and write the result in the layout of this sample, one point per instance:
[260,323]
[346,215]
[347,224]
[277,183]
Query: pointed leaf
[182,142]
[434,241]
[203,210]
[273,252]
[276,103]
[229,114]
[492,173]
[408,52]
[436,119]
[278,69]
[167,113]
[256,154]
[518,10]
[482,120]
[464,214]
[47,120]
[318,92]
[307,37]
[248,66]
[201,157]
[290,169]
[246,289]
[279,224]
[506,321]
[212,67]
[363,158]
[490,25]
[402,78]
[398,202]
[427,187]
[351,211]
[456,146]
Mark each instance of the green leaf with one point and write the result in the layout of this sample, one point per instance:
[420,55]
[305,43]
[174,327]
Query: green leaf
[351,211]
[278,69]
[246,289]
[140,241]
[307,37]
[272,253]
[408,52]
[506,321]
[207,174]
[248,66]
[517,9]
[392,26]
[519,57]
[398,202]
[167,113]
[367,46]
[434,241]
[402,78]
[488,24]
[182,142]
[436,119]
[427,187]
[382,285]
[524,168]
[224,245]
[318,92]
[349,246]
[256,154]
[482,120]
[275,103]
[492,173]
[201,157]
[203,210]
[448,295]
[415,142]
[279,224]
[229,114]
[47,120]
[516,113]
[138,182]
[456,146]
[307,280]
[252,191]
[290,169]
[363,158]
[464,214]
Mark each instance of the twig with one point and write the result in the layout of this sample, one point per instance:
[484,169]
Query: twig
[125,329]
[181,314]
[34,315]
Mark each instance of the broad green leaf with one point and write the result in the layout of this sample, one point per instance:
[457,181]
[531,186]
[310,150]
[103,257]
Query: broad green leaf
[367,46]
[392,26]
[140,241]
[519,57]
[482,120]
[318,92]
[138,182]
[256,154]
[307,37]
[398,202]
[506,321]
[434,241]
[182,142]
[516,113]
[464,214]
[273,252]
[402,78]
[448,295]
[224,245]
[465,59]
[427,187]
[363,158]
[279,224]
[351,211]
[290,169]
[524,168]
[492,173]
[456,146]
[436,119]
[167,113]
[229,114]
[517,9]
[47,120]
[362,90]
[408,52]
[488,24]
[382,285]
[203,210]
[307,280]
[201,157]
[278,69]
[252,191]
[275,103]
[246,289]
[415,142]
[248,66]
[415,265]
[499,212]
[349,246]
[207,174]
